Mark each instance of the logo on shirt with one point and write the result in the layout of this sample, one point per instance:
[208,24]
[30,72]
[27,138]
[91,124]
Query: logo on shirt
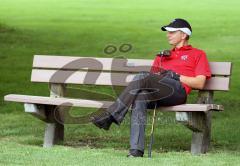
[184,57]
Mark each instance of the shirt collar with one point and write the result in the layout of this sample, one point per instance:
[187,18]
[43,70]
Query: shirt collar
[183,48]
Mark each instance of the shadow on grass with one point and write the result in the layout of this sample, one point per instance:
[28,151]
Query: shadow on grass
[168,137]
[6,29]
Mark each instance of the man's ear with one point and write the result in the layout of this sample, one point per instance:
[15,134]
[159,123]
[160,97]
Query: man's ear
[184,36]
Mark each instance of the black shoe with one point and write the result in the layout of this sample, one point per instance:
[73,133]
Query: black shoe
[103,120]
[135,153]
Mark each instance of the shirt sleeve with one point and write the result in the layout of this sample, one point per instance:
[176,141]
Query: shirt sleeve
[156,65]
[202,65]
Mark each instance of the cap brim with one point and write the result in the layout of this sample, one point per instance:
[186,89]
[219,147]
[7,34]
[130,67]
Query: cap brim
[171,29]
[163,28]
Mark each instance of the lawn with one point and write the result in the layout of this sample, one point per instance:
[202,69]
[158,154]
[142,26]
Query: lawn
[80,27]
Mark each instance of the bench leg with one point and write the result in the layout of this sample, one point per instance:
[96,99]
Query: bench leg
[54,133]
[200,124]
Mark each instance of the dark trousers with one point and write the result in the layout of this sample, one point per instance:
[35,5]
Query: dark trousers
[146,91]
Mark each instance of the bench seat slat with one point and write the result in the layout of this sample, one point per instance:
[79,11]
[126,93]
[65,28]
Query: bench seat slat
[57,101]
[103,104]
[132,65]
[104,78]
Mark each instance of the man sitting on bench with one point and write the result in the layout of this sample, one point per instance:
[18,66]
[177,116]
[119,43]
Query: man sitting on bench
[173,74]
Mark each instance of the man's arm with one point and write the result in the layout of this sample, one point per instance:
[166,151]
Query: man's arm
[197,82]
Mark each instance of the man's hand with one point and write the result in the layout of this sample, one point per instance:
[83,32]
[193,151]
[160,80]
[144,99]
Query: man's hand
[172,74]
[197,82]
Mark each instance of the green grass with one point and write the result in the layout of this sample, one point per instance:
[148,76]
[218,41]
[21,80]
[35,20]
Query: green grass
[73,27]
[86,156]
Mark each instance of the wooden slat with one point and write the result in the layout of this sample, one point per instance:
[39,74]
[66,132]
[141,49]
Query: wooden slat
[118,79]
[221,68]
[103,104]
[57,101]
[193,108]
[218,83]
[79,77]
[93,63]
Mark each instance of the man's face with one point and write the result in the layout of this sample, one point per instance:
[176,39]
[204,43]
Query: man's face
[176,37]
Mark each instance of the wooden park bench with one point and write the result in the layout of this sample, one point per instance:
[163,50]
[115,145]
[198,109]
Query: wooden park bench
[59,71]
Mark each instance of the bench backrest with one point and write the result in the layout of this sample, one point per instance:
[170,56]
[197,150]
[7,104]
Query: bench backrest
[109,71]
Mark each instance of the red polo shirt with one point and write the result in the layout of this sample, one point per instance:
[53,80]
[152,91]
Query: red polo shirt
[187,61]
